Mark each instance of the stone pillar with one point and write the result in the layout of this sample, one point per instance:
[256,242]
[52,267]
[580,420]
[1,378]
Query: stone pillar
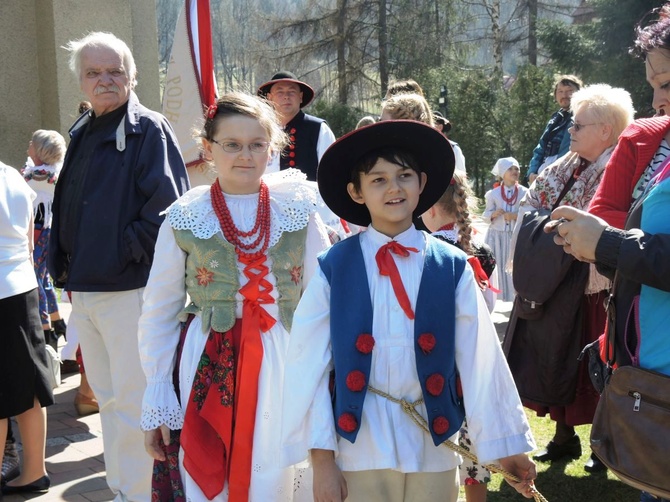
[38,89]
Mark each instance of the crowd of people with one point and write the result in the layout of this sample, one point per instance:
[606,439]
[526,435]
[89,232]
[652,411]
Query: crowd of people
[316,324]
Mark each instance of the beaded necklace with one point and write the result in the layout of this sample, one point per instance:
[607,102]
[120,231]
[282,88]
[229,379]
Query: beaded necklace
[512,199]
[233,234]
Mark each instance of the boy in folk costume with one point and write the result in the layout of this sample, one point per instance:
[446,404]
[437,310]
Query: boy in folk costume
[407,321]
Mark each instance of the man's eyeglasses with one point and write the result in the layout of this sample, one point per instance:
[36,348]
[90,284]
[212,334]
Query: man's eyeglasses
[578,127]
[235,147]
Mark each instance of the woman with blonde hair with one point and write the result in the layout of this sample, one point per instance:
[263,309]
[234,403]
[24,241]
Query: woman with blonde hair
[600,114]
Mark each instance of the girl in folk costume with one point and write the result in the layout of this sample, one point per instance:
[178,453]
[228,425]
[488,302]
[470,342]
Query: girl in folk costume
[449,220]
[46,151]
[242,249]
[502,206]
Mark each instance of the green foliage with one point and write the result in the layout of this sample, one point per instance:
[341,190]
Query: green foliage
[531,103]
[472,99]
[598,51]
[341,118]
[565,480]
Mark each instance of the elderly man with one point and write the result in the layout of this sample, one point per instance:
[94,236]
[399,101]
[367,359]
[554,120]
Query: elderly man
[309,136]
[122,169]
[555,140]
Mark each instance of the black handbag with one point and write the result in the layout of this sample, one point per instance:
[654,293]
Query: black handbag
[539,264]
[631,427]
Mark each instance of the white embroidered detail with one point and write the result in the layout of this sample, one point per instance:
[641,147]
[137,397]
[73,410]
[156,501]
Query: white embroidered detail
[451,234]
[154,416]
[292,200]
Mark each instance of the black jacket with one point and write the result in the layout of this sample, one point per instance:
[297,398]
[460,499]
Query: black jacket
[132,177]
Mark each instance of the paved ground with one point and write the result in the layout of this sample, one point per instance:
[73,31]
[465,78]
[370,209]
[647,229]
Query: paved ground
[74,444]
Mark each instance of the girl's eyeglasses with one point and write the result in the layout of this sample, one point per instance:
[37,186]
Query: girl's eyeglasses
[235,147]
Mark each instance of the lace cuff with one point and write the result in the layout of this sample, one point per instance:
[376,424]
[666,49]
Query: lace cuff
[160,406]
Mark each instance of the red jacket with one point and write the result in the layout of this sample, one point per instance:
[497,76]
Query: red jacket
[635,149]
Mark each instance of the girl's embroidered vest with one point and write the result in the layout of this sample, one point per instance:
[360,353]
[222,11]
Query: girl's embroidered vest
[434,334]
[212,279]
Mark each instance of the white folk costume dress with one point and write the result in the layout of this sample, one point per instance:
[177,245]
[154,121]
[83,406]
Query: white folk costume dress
[499,234]
[193,258]
[384,437]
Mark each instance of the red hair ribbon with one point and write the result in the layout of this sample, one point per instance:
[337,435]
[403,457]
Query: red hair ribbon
[211,111]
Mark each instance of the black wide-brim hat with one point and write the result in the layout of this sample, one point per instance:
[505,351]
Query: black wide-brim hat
[287,76]
[426,144]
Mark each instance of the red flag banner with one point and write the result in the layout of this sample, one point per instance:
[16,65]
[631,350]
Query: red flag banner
[190,86]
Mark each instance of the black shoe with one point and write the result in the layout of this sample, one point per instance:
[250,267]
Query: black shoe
[571,448]
[60,328]
[68,367]
[593,464]
[40,486]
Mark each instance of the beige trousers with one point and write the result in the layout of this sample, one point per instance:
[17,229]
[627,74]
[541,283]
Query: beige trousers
[386,485]
[107,328]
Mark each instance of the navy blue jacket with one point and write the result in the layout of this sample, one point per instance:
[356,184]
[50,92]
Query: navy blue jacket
[134,174]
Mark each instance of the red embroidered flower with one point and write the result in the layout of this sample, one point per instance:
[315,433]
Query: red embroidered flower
[296,274]
[435,384]
[204,276]
[459,388]
[356,381]
[440,425]
[426,342]
[365,343]
[347,422]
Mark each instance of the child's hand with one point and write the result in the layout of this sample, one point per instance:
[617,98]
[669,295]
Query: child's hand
[510,216]
[152,442]
[329,484]
[523,468]
[496,213]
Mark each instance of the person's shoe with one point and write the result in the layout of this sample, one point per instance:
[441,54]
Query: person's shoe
[60,328]
[10,462]
[68,367]
[51,338]
[40,486]
[571,448]
[85,405]
[593,464]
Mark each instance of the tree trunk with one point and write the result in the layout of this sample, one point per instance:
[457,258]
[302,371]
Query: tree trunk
[383,48]
[532,32]
[342,84]
[497,42]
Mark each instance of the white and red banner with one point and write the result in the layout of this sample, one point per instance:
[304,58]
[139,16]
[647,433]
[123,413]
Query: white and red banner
[190,86]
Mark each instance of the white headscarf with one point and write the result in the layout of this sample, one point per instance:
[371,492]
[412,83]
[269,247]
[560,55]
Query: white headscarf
[502,165]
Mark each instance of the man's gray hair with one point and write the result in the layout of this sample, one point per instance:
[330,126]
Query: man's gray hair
[102,39]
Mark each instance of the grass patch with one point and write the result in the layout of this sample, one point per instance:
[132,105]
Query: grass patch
[564,480]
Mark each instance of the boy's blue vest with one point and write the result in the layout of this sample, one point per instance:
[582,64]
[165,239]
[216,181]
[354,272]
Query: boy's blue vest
[351,316]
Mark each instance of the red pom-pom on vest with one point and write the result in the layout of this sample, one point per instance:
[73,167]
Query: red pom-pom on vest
[435,384]
[440,425]
[356,381]
[427,342]
[347,422]
[365,343]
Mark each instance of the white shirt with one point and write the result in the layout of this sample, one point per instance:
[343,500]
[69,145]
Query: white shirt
[495,201]
[388,438]
[16,213]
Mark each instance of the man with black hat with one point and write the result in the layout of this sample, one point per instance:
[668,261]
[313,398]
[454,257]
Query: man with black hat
[309,136]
